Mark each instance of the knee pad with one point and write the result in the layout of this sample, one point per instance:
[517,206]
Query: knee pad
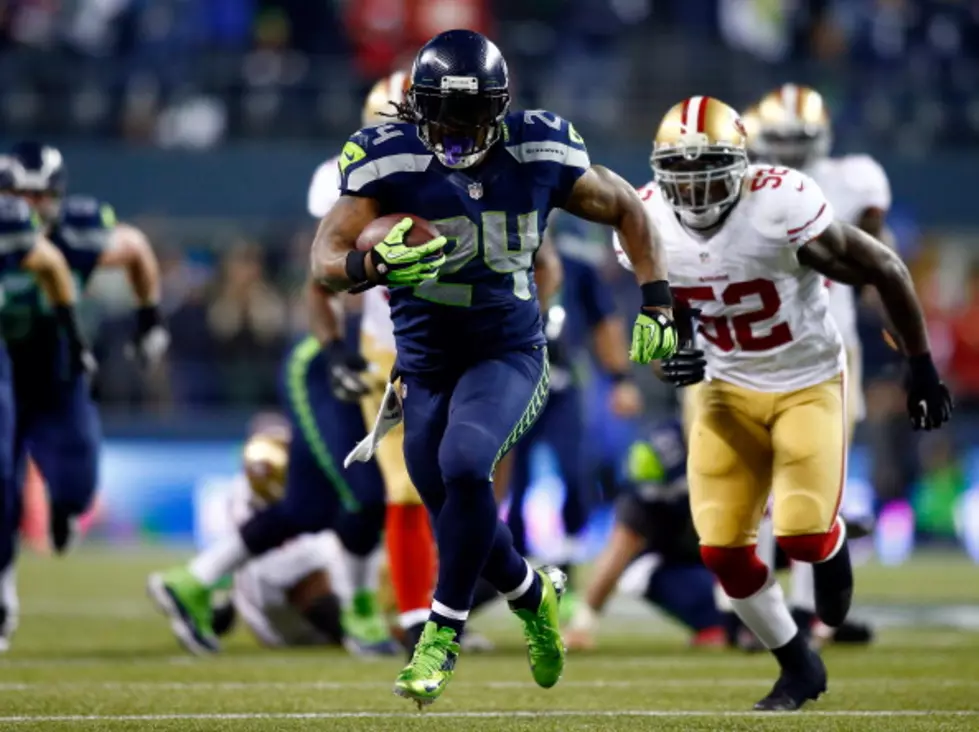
[467,453]
[738,569]
[812,548]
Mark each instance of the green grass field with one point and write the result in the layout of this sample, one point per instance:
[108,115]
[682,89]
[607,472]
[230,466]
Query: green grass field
[91,654]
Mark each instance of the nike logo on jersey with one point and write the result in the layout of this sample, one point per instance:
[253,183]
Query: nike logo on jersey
[802,185]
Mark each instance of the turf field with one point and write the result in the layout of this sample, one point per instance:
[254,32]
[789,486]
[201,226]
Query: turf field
[92,655]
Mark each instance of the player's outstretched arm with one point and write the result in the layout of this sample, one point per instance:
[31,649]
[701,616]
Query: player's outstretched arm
[605,198]
[846,254]
[601,196]
[335,245]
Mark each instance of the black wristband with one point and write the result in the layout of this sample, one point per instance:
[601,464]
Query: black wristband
[148,317]
[355,267]
[656,294]
[922,367]
[617,377]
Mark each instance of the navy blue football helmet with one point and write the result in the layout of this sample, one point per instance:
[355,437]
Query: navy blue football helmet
[459,95]
[43,167]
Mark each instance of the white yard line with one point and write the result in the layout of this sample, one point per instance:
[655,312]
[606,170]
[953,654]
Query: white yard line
[58,686]
[81,718]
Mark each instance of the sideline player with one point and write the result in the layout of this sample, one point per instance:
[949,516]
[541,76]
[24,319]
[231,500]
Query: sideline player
[407,532]
[750,246]
[473,372]
[58,423]
[24,248]
[654,518]
[790,126]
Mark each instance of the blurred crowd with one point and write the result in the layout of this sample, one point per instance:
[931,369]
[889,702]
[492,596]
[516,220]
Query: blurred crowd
[194,73]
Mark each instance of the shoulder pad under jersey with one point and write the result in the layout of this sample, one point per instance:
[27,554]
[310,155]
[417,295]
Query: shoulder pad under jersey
[785,203]
[867,179]
[19,225]
[536,135]
[373,154]
[85,222]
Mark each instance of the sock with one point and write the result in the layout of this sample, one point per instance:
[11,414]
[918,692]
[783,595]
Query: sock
[485,594]
[411,558]
[766,615]
[465,531]
[803,591]
[224,557]
[527,595]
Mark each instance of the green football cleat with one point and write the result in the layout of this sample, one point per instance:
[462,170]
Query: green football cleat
[187,602]
[545,648]
[431,666]
[365,626]
[569,604]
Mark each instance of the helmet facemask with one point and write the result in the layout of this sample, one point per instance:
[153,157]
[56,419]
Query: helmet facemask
[700,184]
[795,146]
[457,122]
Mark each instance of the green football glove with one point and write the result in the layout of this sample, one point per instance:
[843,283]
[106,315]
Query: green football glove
[399,265]
[653,337]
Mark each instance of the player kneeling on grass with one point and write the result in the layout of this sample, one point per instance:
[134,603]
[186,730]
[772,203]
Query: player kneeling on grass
[291,595]
[655,519]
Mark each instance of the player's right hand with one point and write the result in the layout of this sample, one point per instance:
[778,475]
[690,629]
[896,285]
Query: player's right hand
[685,367]
[654,337]
[346,369]
[929,401]
[399,265]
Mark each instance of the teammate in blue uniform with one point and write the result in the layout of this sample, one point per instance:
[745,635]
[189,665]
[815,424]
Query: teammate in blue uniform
[318,496]
[26,254]
[57,421]
[582,313]
[471,357]
[654,518]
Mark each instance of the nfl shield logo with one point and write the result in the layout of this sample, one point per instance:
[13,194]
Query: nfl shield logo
[475,191]
[704,257]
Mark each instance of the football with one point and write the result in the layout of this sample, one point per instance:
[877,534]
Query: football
[420,232]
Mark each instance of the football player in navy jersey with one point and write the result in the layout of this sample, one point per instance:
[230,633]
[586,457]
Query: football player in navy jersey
[57,421]
[471,352]
[25,252]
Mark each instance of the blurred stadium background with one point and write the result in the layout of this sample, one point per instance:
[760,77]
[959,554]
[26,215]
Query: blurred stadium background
[202,121]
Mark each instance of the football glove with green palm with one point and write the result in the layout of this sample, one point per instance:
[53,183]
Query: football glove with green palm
[400,265]
[654,337]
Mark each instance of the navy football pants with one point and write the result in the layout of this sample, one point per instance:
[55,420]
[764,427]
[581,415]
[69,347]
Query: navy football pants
[561,426]
[457,427]
[61,431]
[319,493]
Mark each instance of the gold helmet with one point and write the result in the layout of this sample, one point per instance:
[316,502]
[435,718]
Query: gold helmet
[266,458]
[793,126]
[386,93]
[752,125]
[699,158]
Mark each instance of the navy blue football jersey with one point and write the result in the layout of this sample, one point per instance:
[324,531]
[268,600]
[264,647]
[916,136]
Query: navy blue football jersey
[494,214]
[82,232]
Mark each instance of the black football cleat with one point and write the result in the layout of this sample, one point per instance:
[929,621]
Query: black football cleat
[793,689]
[853,633]
[833,584]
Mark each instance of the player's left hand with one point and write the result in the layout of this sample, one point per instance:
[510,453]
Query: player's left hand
[686,367]
[346,369]
[654,337]
[152,339]
[929,401]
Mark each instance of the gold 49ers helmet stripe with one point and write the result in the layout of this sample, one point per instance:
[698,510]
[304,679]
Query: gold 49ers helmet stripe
[694,114]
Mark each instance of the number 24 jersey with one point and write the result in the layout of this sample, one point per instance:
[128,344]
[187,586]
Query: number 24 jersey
[765,322]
